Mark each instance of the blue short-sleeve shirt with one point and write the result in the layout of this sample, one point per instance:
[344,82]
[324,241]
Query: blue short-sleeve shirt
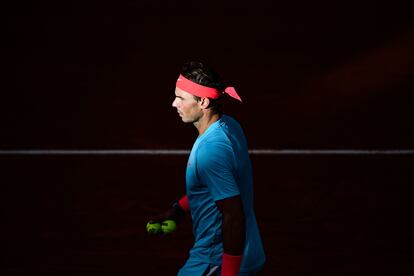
[219,167]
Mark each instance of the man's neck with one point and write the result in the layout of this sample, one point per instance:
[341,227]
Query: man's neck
[206,121]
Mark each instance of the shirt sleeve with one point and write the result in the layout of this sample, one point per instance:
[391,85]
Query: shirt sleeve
[216,167]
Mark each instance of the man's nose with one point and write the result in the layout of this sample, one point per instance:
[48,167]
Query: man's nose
[174,103]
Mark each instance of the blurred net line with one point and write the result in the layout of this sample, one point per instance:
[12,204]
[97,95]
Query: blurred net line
[187,152]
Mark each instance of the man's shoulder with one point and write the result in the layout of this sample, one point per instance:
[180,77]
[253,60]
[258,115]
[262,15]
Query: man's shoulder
[216,144]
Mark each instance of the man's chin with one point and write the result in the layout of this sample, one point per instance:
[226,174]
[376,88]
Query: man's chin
[186,120]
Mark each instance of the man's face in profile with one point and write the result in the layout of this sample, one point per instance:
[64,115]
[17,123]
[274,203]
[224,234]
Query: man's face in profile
[187,107]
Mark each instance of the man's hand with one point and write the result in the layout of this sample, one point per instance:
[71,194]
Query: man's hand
[172,214]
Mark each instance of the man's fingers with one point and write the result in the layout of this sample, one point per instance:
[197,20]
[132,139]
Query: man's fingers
[156,220]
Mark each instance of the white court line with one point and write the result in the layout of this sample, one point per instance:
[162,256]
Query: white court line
[186,152]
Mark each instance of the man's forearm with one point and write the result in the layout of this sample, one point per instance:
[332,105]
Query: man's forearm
[234,232]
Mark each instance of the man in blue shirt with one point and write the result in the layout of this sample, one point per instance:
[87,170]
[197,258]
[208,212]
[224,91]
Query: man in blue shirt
[219,181]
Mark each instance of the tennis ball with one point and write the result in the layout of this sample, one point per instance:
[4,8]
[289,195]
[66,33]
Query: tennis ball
[168,226]
[153,228]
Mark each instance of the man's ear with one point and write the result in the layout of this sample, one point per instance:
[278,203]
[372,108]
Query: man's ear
[204,103]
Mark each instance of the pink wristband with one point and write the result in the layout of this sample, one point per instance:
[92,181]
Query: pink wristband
[183,202]
[230,265]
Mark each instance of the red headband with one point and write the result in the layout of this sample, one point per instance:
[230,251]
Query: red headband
[203,91]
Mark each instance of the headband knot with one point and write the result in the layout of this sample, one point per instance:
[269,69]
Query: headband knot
[232,92]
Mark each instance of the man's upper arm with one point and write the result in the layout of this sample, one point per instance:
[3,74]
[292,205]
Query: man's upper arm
[232,206]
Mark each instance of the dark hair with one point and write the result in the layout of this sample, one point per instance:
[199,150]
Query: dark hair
[204,75]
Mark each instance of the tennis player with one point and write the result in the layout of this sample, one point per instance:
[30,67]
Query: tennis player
[219,181]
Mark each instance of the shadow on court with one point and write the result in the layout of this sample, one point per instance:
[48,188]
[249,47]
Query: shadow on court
[319,215]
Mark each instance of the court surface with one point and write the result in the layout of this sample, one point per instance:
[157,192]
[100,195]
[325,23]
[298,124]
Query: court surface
[319,214]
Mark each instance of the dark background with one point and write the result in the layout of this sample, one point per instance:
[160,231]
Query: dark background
[101,75]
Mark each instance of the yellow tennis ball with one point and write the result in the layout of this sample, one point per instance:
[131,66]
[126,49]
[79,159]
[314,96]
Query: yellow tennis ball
[153,228]
[168,226]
